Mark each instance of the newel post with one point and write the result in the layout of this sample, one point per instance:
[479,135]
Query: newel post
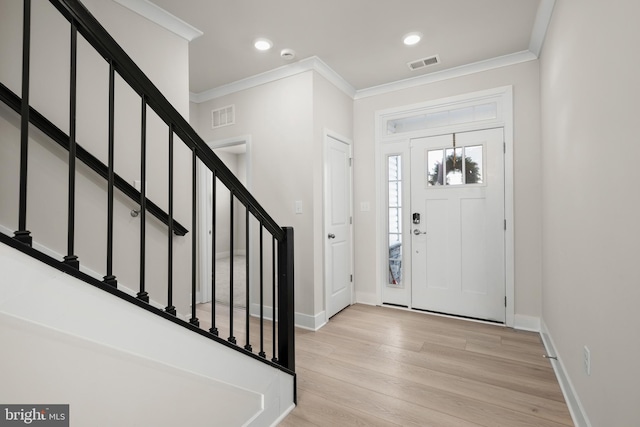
[286,311]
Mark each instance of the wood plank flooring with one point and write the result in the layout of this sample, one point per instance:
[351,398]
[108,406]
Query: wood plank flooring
[381,366]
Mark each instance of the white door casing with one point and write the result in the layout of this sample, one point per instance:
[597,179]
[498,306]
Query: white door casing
[337,225]
[458,248]
[392,140]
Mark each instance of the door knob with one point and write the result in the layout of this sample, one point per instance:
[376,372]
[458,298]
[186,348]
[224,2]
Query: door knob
[331,236]
[418,232]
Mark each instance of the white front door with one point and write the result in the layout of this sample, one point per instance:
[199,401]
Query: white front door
[457,230]
[337,213]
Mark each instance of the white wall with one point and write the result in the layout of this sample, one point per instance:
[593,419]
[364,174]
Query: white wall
[525,80]
[279,117]
[590,92]
[164,57]
[287,119]
[333,112]
[236,164]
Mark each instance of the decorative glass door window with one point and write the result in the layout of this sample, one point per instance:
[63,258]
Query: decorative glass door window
[455,166]
[394,236]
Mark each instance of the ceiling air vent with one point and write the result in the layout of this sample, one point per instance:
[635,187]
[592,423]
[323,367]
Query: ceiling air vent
[424,62]
[223,116]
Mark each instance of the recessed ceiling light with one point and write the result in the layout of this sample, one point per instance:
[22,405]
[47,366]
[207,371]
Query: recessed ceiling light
[263,44]
[412,38]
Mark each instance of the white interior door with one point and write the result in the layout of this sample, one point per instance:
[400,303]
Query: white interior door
[337,225]
[458,236]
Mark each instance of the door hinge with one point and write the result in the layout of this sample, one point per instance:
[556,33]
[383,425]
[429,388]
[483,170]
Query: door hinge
[351,278]
[505,224]
[505,301]
[350,161]
[504,147]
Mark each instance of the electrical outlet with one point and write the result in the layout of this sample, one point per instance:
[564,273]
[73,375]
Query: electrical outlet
[587,360]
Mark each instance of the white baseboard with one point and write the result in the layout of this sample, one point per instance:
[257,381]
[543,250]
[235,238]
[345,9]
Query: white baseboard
[304,321]
[312,323]
[368,298]
[267,312]
[576,409]
[227,254]
[526,323]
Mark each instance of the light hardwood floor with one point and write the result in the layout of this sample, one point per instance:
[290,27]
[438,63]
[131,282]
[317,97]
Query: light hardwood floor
[381,366]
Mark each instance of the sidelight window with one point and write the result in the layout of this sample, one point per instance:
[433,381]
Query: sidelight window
[394,234]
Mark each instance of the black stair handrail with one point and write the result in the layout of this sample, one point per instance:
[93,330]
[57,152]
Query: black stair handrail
[83,22]
[87,25]
[62,139]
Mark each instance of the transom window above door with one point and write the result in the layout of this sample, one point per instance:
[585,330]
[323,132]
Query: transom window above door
[455,166]
[431,118]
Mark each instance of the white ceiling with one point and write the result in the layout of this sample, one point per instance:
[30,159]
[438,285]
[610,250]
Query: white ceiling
[361,40]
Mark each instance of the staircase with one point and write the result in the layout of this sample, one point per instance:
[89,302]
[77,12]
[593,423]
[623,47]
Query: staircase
[99,217]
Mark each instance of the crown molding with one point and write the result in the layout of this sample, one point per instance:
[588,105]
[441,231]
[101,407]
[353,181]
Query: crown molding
[336,79]
[316,64]
[313,63]
[539,32]
[161,17]
[451,73]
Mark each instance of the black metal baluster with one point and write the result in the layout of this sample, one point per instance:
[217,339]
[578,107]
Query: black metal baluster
[170,308]
[282,239]
[143,295]
[22,234]
[261,353]
[286,329]
[70,258]
[231,337]
[110,279]
[194,234]
[273,297]
[247,268]
[214,329]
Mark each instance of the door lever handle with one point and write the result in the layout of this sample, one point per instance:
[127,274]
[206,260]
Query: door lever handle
[331,236]
[418,232]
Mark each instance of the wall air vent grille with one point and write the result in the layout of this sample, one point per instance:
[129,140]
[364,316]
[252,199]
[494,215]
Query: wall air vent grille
[424,62]
[223,116]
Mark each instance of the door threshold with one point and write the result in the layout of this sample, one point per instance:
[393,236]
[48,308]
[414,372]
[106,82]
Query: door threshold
[395,305]
[441,314]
